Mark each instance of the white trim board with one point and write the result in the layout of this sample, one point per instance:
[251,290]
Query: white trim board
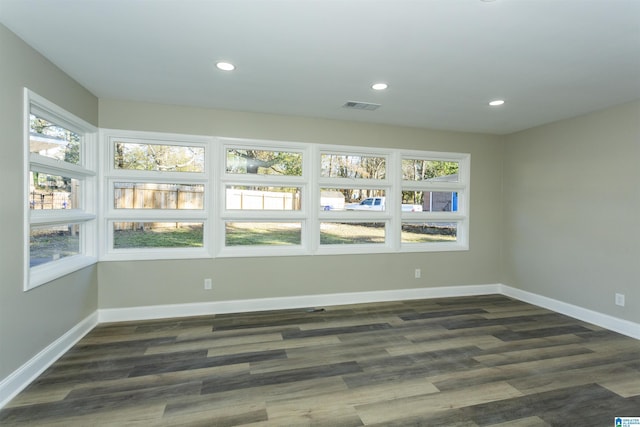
[306,301]
[25,374]
[615,324]
[611,323]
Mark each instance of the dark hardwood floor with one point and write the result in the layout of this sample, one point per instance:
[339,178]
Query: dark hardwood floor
[469,361]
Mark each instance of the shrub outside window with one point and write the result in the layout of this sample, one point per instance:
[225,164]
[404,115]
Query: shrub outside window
[429,232]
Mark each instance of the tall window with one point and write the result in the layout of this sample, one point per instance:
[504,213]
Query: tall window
[60,188]
[156,196]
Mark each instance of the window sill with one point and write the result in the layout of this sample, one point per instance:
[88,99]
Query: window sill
[50,271]
[155,254]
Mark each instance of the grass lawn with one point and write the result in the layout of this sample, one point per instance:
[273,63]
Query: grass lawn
[48,246]
[165,237]
[261,233]
[52,243]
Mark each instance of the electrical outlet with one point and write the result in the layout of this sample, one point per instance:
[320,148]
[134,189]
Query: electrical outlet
[418,273]
[620,300]
[208,284]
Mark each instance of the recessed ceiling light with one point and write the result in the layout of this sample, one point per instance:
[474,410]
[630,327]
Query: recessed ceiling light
[496,102]
[225,66]
[379,86]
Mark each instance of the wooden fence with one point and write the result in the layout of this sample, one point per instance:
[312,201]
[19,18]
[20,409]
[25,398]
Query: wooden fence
[158,196]
[170,196]
[262,200]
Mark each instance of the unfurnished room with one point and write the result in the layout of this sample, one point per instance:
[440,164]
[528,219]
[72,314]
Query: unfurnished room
[320,213]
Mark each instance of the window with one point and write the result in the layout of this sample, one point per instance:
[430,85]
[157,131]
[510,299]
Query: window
[347,232]
[359,166]
[353,189]
[434,199]
[156,196]
[60,189]
[264,198]
[177,196]
[157,156]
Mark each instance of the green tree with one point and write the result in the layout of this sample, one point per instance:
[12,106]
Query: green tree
[424,170]
[156,157]
[264,162]
[71,152]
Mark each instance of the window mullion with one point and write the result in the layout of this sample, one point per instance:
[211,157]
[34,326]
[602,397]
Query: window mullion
[62,217]
[57,167]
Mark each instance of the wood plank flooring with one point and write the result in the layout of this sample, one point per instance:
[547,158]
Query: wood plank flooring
[469,361]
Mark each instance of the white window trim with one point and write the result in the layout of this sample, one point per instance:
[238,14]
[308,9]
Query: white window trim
[215,215]
[223,215]
[461,216]
[85,215]
[110,215]
[387,217]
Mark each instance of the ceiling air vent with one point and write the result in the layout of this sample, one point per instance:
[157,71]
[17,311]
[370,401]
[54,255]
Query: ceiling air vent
[355,105]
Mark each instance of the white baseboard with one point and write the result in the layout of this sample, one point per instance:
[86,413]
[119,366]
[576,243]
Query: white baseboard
[23,376]
[624,327]
[18,380]
[262,304]
[611,323]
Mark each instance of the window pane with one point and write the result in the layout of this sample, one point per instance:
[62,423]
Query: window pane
[144,195]
[337,233]
[263,233]
[346,166]
[431,201]
[430,170]
[51,243]
[51,140]
[337,199]
[429,232]
[262,162]
[160,158]
[263,198]
[53,191]
[157,235]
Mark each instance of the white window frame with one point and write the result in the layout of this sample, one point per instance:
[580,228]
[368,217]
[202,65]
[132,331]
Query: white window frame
[223,215]
[108,137]
[215,215]
[387,216]
[86,172]
[460,217]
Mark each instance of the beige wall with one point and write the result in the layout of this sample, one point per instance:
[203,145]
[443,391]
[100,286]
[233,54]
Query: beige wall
[30,321]
[136,283]
[571,209]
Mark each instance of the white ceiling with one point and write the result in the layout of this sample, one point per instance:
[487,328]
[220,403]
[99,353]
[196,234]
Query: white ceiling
[443,59]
